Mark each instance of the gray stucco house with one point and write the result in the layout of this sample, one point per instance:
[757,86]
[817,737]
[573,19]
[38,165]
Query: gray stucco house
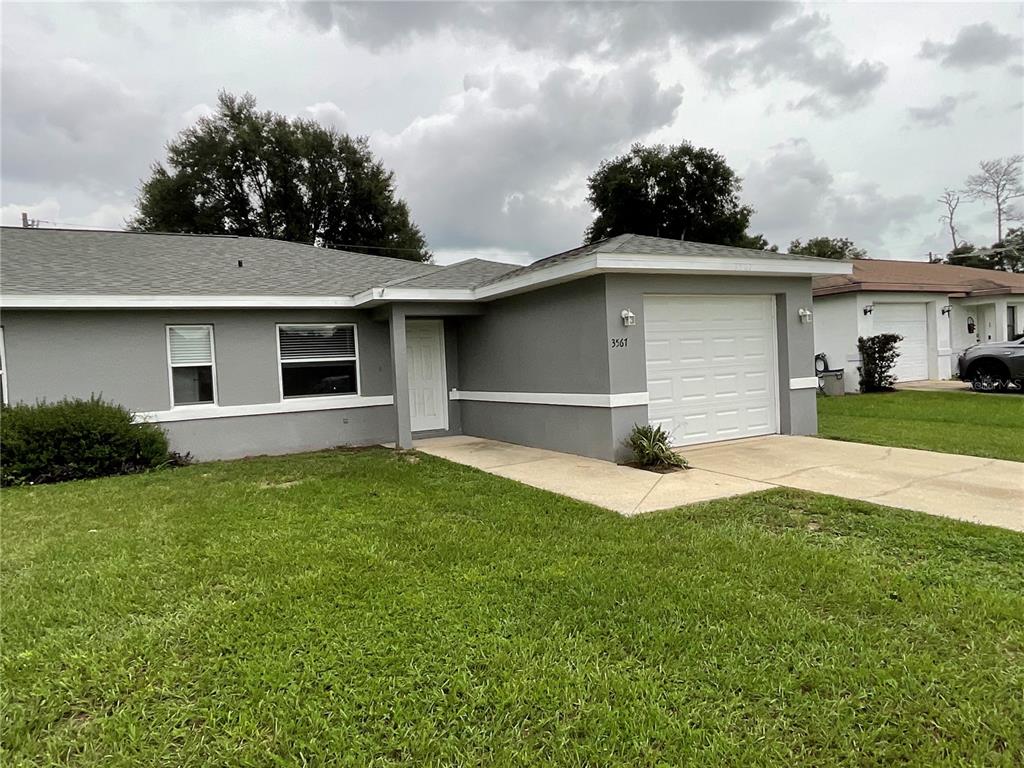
[242,346]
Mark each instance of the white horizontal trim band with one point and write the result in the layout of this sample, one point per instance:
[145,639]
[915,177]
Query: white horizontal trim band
[804,382]
[200,412]
[582,399]
[138,301]
[570,270]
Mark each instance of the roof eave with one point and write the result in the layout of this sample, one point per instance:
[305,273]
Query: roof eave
[957,291]
[638,263]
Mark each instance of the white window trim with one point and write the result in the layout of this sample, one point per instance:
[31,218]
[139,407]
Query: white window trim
[280,363]
[171,366]
[3,368]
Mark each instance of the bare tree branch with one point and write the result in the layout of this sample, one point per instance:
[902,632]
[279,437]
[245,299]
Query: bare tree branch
[951,199]
[1000,182]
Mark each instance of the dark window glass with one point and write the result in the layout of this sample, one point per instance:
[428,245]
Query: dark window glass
[192,384]
[331,377]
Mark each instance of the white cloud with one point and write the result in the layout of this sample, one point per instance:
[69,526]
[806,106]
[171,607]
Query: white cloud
[48,212]
[803,51]
[493,167]
[85,125]
[976,45]
[796,195]
[493,115]
[329,115]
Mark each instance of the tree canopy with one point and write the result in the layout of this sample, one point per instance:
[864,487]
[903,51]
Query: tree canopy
[260,174]
[1006,255]
[679,192]
[828,248]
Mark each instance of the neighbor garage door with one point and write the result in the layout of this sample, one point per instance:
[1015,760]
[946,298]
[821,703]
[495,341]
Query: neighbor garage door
[711,367]
[911,322]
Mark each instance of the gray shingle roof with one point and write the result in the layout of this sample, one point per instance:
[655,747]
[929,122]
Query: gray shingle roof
[91,262]
[54,261]
[657,246]
[464,274]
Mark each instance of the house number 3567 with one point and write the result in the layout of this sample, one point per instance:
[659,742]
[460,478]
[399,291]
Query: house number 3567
[619,342]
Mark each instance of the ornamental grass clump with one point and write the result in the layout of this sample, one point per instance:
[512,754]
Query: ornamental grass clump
[651,448]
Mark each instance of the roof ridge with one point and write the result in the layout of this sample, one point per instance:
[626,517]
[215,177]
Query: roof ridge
[104,231]
[400,280]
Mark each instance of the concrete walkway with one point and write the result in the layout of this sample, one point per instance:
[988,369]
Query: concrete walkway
[936,385]
[986,491]
[952,385]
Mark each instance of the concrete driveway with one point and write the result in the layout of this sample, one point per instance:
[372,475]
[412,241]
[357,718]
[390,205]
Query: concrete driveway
[986,491]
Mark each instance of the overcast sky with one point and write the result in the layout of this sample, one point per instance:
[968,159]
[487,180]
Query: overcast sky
[843,120]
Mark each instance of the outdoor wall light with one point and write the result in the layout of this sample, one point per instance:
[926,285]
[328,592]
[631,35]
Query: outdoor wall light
[628,318]
[869,308]
[806,316]
[947,309]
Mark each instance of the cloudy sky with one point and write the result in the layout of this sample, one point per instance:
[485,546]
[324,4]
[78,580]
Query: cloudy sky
[843,120]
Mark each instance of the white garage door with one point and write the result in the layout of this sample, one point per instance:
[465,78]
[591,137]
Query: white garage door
[711,370]
[911,322]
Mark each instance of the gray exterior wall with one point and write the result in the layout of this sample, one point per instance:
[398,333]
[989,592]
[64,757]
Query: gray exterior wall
[551,340]
[122,355]
[237,437]
[558,340]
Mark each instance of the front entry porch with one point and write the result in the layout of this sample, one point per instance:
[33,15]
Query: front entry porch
[424,365]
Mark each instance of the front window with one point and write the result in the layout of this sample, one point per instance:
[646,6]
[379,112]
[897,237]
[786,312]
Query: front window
[318,360]
[190,353]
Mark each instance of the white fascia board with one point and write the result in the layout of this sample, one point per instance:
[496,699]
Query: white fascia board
[95,301]
[298,405]
[647,264]
[630,262]
[379,295]
[560,273]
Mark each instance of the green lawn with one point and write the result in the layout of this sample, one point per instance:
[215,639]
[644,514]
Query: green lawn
[950,422]
[369,609]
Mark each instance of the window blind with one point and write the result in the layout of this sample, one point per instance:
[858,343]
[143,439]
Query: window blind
[317,342]
[191,346]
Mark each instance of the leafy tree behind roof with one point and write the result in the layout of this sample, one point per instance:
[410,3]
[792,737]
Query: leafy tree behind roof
[828,248]
[260,174]
[1006,255]
[679,192]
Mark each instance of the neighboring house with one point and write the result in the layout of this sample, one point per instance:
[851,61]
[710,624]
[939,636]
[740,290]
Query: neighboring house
[243,346]
[938,309]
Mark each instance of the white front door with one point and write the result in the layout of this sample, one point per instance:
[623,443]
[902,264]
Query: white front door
[711,366]
[911,322]
[428,399]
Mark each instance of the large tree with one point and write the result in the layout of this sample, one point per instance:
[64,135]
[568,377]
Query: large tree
[679,192]
[1006,255]
[828,248]
[998,181]
[260,174]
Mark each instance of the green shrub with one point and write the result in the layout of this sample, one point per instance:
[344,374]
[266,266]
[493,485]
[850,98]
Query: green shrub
[878,355]
[75,439]
[651,447]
